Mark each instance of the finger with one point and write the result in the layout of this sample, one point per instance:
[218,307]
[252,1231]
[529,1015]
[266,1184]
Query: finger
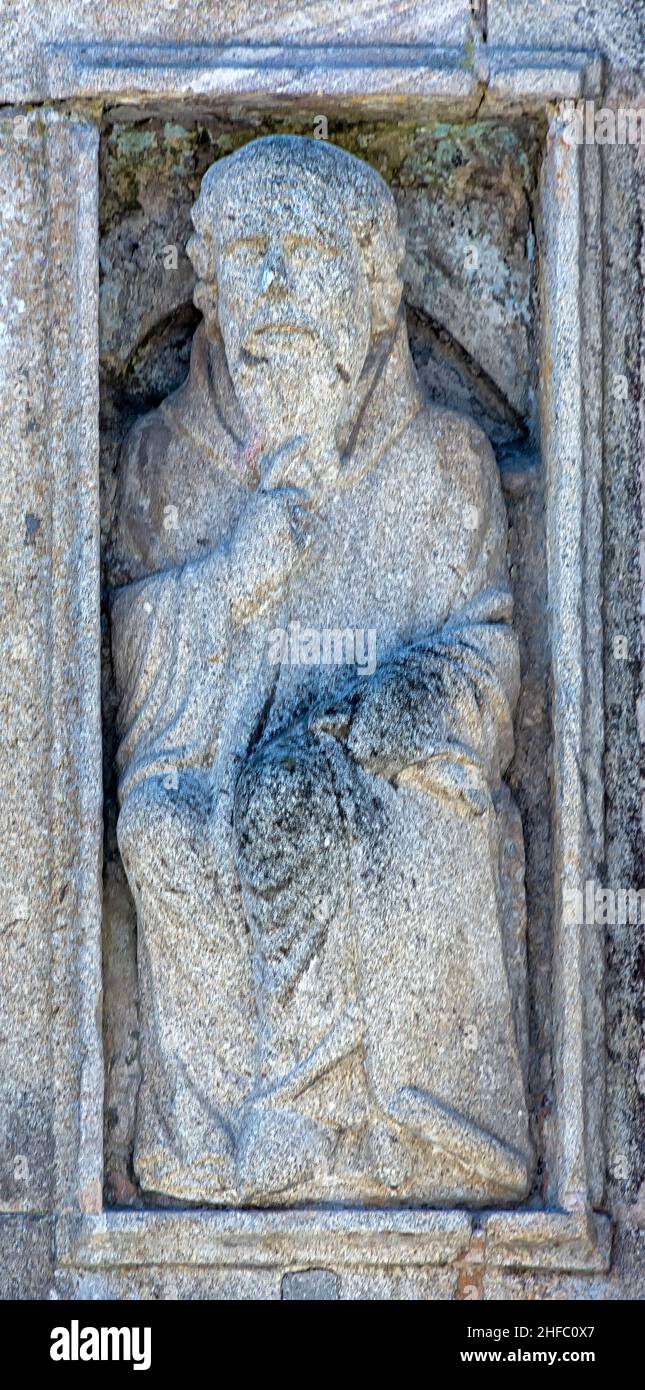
[335,722]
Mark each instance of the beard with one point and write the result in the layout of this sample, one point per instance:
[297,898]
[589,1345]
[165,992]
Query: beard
[288,385]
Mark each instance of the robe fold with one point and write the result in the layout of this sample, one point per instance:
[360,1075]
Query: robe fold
[328,1008]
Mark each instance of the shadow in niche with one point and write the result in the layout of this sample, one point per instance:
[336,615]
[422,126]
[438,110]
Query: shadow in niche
[474,183]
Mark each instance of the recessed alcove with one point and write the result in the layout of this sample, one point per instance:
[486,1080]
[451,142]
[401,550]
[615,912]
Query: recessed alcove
[468,199]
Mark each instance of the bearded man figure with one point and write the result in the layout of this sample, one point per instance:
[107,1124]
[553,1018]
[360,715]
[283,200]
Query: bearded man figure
[332,994]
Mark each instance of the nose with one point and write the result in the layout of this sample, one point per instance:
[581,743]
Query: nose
[273,272]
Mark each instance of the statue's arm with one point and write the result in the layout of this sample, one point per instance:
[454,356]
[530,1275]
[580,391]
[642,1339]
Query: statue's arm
[169,640]
[172,633]
[447,697]
[439,710]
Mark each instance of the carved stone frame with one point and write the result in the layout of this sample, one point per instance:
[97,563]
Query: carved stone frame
[569,1233]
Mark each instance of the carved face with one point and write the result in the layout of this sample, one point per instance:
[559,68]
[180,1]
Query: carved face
[293,306]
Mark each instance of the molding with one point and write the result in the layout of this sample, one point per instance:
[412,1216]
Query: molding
[358,81]
[51,818]
[549,1241]
[394,79]
[72,149]
[259,1238]
[319,1237]
[570,417]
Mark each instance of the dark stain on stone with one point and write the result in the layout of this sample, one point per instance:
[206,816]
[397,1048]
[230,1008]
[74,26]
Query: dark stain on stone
[310,1285]
[32,527]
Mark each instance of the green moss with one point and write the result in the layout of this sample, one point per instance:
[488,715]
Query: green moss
[453,160]
[468,60]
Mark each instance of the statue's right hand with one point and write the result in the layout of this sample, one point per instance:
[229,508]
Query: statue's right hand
[288,468]
[273,532]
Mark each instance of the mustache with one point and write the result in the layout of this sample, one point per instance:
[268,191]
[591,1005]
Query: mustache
[299,329]
[289,324]
[259,345]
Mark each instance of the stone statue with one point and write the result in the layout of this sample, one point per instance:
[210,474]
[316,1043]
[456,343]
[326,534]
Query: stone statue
[317,673]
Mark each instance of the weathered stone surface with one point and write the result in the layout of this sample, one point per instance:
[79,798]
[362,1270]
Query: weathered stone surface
[614,29]
[121,1032]
[411,1283]
[50,807]
[329,1030]
[482,249]
[482,176]
[262,1239]
[369,1254]
[171,1284]
[33,39]
[56,1106]
[570,433]
[624,487]
[26,1256]
[150,173]
[235,51]
[259,1285]
[310,1285]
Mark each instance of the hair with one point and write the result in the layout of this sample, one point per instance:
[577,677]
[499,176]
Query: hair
[361,195]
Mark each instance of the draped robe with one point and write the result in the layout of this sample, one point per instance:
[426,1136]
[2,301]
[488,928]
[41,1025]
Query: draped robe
[332,996]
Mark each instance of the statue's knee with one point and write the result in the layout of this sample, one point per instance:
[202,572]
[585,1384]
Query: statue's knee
[148,827]
[284,811]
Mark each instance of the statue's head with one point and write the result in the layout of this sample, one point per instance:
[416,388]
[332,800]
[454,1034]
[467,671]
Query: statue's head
[298,257]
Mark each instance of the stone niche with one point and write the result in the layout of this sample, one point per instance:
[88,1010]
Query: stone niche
[500,214]
[466,195]
[470,196]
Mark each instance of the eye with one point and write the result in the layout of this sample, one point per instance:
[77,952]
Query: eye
[248,248]
[307,248]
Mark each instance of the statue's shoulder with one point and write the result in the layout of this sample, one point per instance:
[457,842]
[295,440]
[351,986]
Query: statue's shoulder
[455,442]
[179,486]
[457,458]
[145,462]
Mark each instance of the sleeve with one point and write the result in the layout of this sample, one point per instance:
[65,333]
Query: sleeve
[438,712]
[170,643]
[140,543]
